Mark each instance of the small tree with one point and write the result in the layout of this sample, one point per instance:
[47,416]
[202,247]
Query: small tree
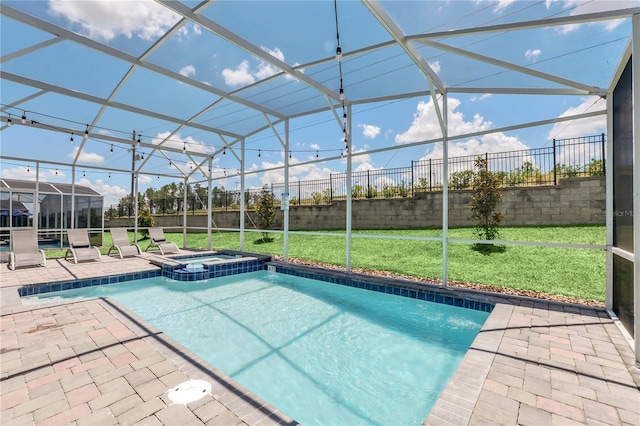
[145,218]
[266,212]
[484,203]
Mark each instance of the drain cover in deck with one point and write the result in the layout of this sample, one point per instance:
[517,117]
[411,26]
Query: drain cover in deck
[189,391]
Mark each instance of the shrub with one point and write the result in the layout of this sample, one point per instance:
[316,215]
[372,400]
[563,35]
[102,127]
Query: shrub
[461,179]
[145,220]
[483,205]
[357,191]
[595,168]
[564,170]
[327,196]
[317,198]
[266,212]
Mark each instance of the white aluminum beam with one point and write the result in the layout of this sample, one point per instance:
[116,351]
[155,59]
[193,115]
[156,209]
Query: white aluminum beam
[108,50]
[539,23]
[385,20]
[517,68]
[245,45]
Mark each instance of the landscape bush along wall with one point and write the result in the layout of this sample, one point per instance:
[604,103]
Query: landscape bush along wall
[574,201]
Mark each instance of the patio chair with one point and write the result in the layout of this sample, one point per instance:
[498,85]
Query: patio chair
[80,247]
[158,240]
[25,249]
[121,243]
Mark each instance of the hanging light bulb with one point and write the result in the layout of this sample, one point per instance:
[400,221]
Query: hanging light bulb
[71,139]
[24,117]
[28,169]
[142,156]
[111,150]
[170,163]
[109,175]
[224,151]
[338,53]
[289,154]
[9,121]
[158,177]
[259,154]
[56,172]
[341,153]
[138,139]
[184,148]
[317,154]
[341,94]
[86,132]
[83,174]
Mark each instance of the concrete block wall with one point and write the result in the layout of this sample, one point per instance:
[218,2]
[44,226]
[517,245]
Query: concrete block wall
[574,201]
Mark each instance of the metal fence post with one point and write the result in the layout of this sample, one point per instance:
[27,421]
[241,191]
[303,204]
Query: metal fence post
[430,175]
[368,193]
[603,153]
[412,180]
[330,187]
[299,198]
[555,168]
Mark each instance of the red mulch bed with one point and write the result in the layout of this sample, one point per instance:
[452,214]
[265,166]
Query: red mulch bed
[451,283]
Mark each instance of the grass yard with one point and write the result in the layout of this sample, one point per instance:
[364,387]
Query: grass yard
[575,273]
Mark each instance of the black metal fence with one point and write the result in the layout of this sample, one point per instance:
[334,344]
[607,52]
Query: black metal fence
[574,157]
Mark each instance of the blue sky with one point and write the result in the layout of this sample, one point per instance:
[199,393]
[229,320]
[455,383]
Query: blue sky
[296,33]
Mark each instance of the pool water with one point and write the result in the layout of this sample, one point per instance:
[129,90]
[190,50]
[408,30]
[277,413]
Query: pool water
[321,353]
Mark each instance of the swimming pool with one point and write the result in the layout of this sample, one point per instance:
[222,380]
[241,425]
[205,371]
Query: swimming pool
[320,352]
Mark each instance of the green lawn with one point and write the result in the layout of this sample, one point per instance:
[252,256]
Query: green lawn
[578,273]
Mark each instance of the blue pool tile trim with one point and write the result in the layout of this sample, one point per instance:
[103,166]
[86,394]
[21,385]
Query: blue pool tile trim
[33,289]
[178,273]
[404,289]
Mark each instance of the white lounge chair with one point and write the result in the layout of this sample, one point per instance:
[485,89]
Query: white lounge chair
[80,246]
[158,240]
[25,249]
[121,243]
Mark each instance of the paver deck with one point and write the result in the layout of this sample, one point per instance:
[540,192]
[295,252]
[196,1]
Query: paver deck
[93,362]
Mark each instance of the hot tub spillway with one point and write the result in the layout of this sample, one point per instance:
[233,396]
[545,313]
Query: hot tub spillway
[178,268]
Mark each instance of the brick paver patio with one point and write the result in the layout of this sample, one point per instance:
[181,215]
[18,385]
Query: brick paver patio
[93,362]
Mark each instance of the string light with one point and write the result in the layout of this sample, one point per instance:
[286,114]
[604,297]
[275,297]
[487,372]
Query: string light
[224,151]
[339,59]
[289,154]
[259,154]
[109,175]
[317,154]
[83,174]
[71,139]
[86,132]
[184,148]
[111,150]
[28,169]
[24,117]
[56,172]
[9,121]
[138,139]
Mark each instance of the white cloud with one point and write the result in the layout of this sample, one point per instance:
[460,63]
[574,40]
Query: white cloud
[29,173]
[314,146]
[532,54]
[188,71]
[435,66]
[107,20]
[112,193]
[581,7]
[425,127]
[425,124]
[86,157]
[178,142]
[481,97]
[240,76]
[502,5]
[369,131]
[584,126]
[244,75]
